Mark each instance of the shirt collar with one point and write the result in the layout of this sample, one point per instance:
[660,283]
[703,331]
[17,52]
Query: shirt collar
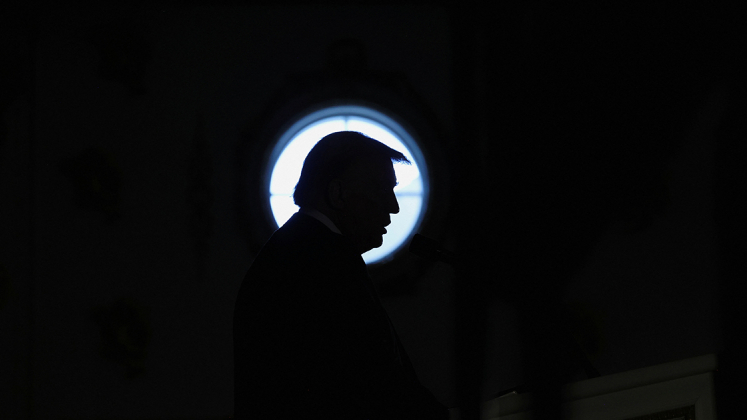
[316,214]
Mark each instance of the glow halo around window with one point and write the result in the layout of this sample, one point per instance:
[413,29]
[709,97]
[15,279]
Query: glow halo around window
[297,141]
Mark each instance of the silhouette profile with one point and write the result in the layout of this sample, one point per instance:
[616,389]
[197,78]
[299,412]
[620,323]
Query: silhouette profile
[311,339]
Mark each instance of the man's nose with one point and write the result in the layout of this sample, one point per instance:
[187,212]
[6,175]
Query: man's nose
[393,204]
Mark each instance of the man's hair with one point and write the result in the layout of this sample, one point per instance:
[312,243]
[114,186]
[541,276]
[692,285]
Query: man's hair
[331,156]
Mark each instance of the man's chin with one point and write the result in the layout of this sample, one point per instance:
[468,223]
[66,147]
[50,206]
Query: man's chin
[373,242]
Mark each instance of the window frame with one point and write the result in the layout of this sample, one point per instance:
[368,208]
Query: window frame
[352,109]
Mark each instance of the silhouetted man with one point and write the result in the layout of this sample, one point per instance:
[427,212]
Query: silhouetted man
[311,339]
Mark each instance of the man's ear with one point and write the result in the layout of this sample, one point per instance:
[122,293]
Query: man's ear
[334,194]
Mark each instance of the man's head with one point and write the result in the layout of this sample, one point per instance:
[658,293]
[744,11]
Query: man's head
[350,178]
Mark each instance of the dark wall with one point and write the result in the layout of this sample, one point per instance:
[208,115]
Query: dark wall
[596,127]
[582,146]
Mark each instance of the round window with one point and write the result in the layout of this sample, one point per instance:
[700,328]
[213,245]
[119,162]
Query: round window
[296,142]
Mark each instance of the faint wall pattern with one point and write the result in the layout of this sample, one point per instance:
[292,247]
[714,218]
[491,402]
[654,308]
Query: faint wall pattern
[97,181]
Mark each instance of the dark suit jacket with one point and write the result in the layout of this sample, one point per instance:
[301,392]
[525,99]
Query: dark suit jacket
[311,339]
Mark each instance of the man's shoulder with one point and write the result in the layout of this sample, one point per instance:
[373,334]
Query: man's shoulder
[301,231]
[302,258]
[304,241]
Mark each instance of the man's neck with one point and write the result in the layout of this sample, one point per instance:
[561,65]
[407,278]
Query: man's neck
[318,215]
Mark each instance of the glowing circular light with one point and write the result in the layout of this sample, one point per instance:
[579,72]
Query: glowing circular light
[296,142]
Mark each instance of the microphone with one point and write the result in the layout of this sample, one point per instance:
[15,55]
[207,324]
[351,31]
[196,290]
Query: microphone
[431,250]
